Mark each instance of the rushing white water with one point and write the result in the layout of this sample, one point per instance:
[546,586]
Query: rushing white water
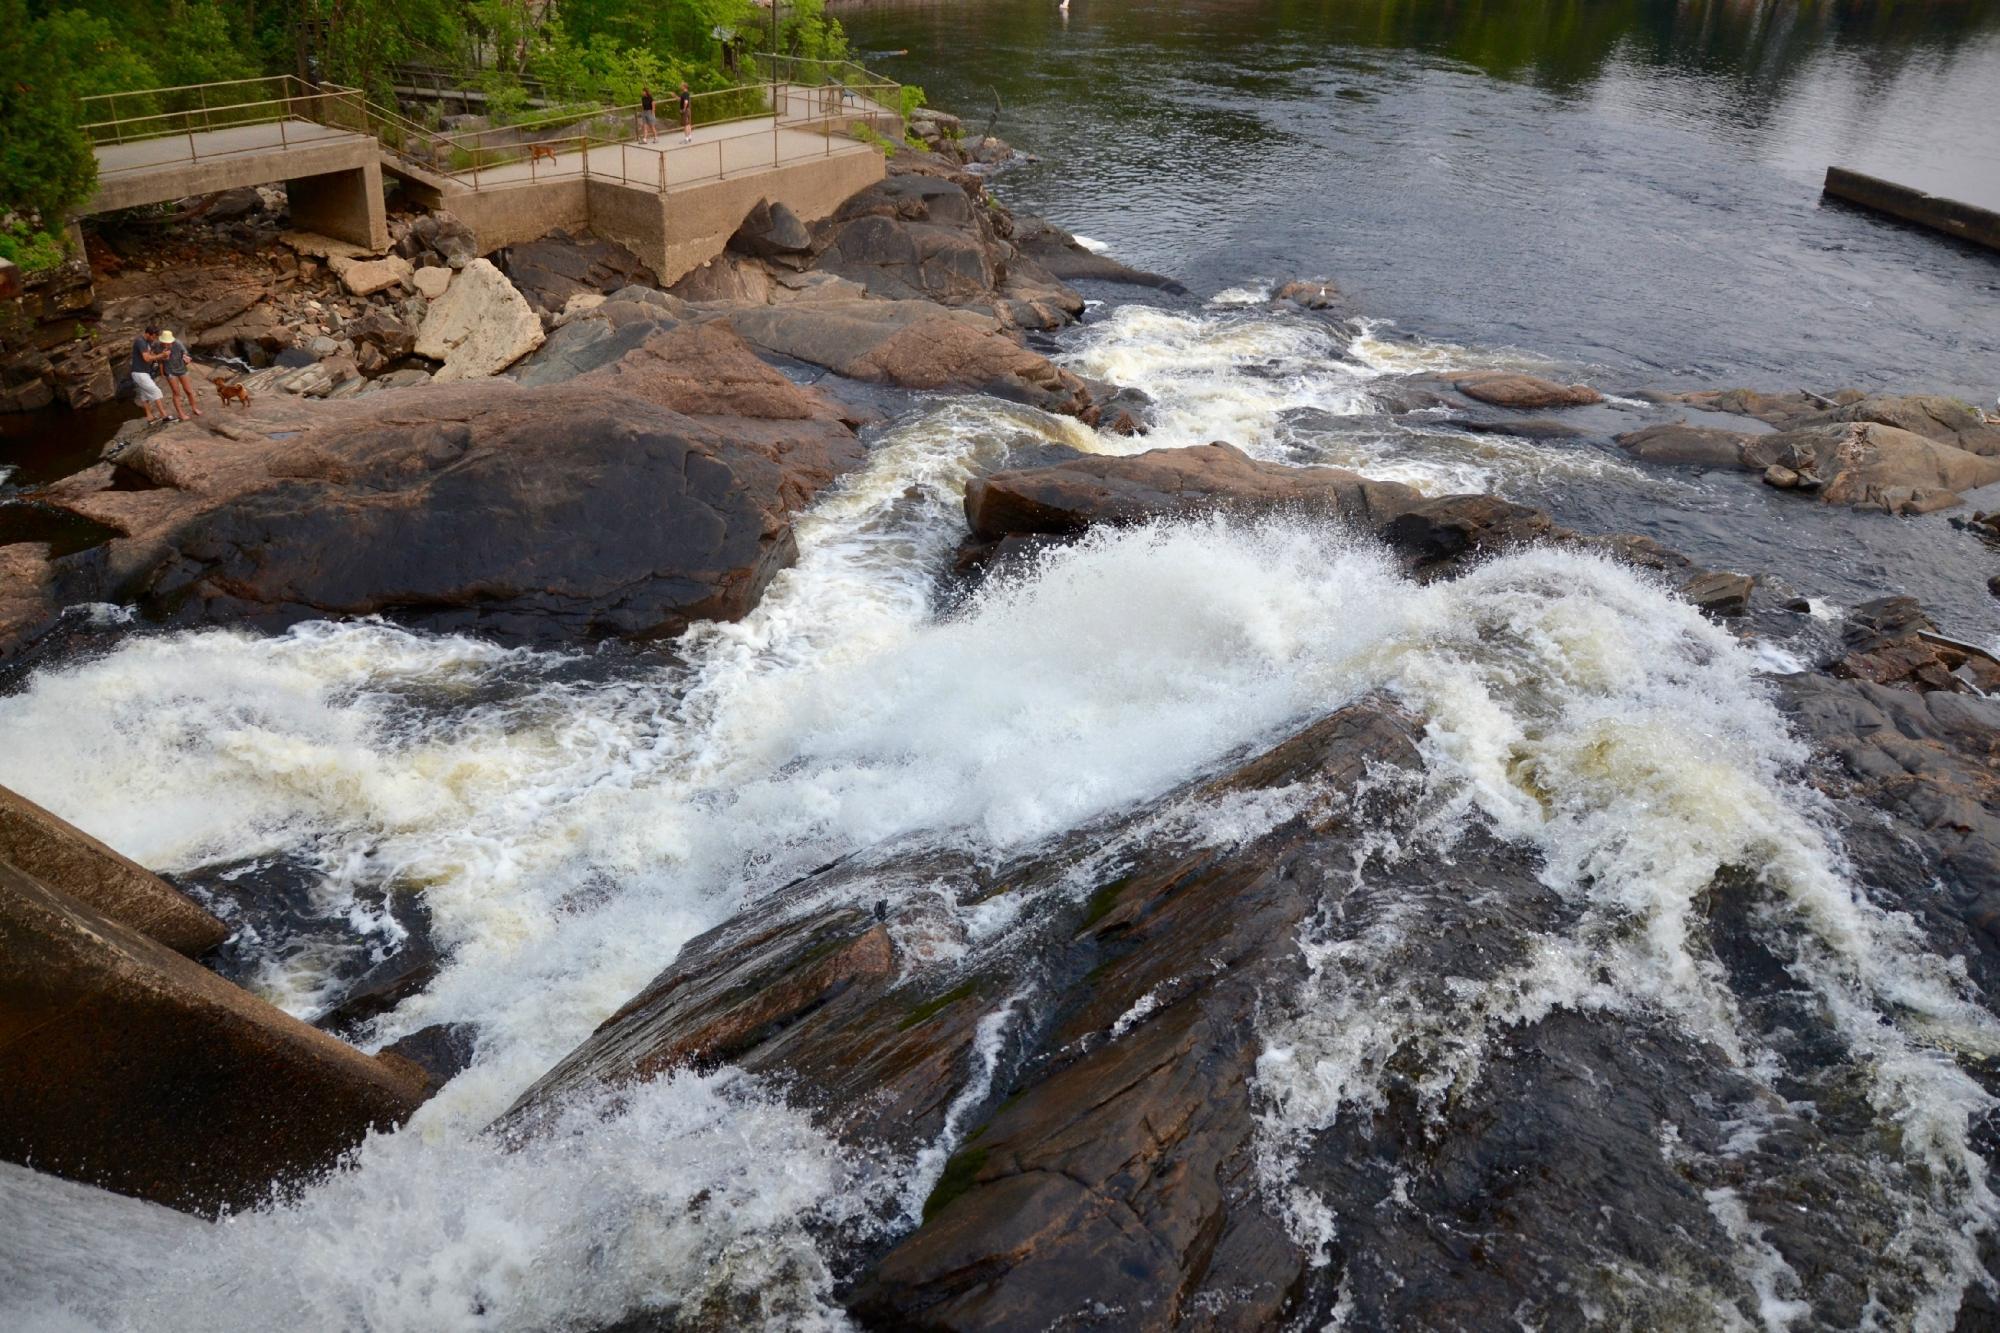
[571,829]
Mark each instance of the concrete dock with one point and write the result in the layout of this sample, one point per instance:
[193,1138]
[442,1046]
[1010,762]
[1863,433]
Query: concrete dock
[1954,217]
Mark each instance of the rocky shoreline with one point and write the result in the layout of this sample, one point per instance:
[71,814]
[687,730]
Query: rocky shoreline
[544,447]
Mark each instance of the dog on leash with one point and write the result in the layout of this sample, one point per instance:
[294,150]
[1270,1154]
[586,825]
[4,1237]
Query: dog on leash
[539,151]
[230,393]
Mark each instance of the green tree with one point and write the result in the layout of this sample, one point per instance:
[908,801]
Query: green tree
[46,166]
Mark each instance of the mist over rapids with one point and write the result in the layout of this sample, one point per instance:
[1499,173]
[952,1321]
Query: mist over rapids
[571,819]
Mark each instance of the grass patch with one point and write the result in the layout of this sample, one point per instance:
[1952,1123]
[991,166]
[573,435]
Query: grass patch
[956,1180]
[930,1009]
[1104,900]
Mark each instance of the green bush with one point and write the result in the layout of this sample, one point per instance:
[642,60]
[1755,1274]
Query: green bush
[46,166]
[34,251]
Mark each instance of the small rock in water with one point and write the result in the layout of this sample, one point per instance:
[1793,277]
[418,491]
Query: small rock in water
[1781,477]
[1720,593]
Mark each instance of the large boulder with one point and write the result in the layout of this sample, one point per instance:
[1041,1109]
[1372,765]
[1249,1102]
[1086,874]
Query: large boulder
[65,858]
[1058,252]
[1066,498]
[1933,416]
[915,345]
[480,326]
[1870,466]
[551,271]
[365,277]
[920,237]
[1676,442]
[125,1065]
[1524,392]
[630,501]
[771,230]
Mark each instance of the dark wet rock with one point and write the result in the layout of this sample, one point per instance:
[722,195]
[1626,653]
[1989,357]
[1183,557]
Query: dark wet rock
[1063,256]
[65,858]
[1398,397]
[771,230]
[1720,593]
[914,345]
[443,235]
[921,238]
[1018,509]
[1107,1172]
[441,1052]
[673,472]
[938,166]
[559,266]
[1893,641]
[125,1065]
[380,329]
[1679,443]
[1526,393]
[1530,428]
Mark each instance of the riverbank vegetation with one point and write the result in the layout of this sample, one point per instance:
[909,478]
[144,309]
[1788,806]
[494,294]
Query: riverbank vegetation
[515,51]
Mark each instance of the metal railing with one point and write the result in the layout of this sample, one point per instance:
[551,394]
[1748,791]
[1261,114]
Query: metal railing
[761,126]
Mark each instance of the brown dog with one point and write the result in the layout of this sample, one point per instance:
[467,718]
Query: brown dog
[539,151]
[231,393]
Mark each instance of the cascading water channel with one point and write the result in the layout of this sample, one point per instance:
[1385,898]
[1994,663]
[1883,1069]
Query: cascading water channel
[570,830]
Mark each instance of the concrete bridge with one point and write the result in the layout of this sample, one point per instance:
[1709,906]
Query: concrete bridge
[672,203]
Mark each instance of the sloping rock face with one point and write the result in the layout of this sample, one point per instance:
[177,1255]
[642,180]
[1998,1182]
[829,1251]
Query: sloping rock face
[1105,1084]
[573,509]
[550,271]
[914,345]
[480,326]
[1933,416]
[65,858]
[125,1065]
[1015,510]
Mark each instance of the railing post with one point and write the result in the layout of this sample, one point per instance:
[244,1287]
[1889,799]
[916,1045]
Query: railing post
[718,159]
[663,171]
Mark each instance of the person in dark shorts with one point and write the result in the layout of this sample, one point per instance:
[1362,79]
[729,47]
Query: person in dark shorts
[687,115]
[649,124]
[179,386]
[146,354]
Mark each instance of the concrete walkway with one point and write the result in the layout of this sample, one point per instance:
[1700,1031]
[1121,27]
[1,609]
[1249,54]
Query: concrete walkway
[717,152]
[184,150]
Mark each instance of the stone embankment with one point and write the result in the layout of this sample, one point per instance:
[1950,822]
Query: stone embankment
[125,1063]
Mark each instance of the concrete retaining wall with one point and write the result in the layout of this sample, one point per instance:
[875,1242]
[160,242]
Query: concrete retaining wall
[1967,222]
[673,233]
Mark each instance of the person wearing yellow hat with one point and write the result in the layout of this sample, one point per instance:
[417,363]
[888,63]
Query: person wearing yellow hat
[176,368]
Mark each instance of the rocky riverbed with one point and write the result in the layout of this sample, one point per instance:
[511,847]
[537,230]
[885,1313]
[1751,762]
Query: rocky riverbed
[923,778]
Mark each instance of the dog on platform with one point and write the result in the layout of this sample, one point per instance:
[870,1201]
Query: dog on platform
[230,393]
[539,151]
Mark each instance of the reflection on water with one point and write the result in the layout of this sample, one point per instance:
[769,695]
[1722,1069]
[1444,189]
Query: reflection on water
[1633,185]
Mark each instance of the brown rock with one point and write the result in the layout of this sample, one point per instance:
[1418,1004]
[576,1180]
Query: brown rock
[1870,466]
[1933,416]
[28,604]
[1719,593]
[66,858]
[913,344]
[1069,497]
[1524,392]
[436,506]
[125,1065]
[1679,443]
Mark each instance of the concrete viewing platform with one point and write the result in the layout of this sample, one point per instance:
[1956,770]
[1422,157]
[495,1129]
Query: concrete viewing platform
[1953,217]
[674,204]
[334,176]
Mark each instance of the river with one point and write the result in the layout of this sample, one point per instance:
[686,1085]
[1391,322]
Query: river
[1632,185]
[1623,191]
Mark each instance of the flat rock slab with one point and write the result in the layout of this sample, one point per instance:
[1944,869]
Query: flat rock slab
[125,1065]
[1526,393]
[64,857]
[365,277]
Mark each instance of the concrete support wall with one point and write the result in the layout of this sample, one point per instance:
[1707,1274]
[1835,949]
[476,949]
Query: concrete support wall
[673,233]
[1967,222]
[516,213]
[346,205]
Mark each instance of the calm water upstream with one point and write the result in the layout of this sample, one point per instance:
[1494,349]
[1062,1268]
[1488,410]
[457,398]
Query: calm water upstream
[1631,184]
